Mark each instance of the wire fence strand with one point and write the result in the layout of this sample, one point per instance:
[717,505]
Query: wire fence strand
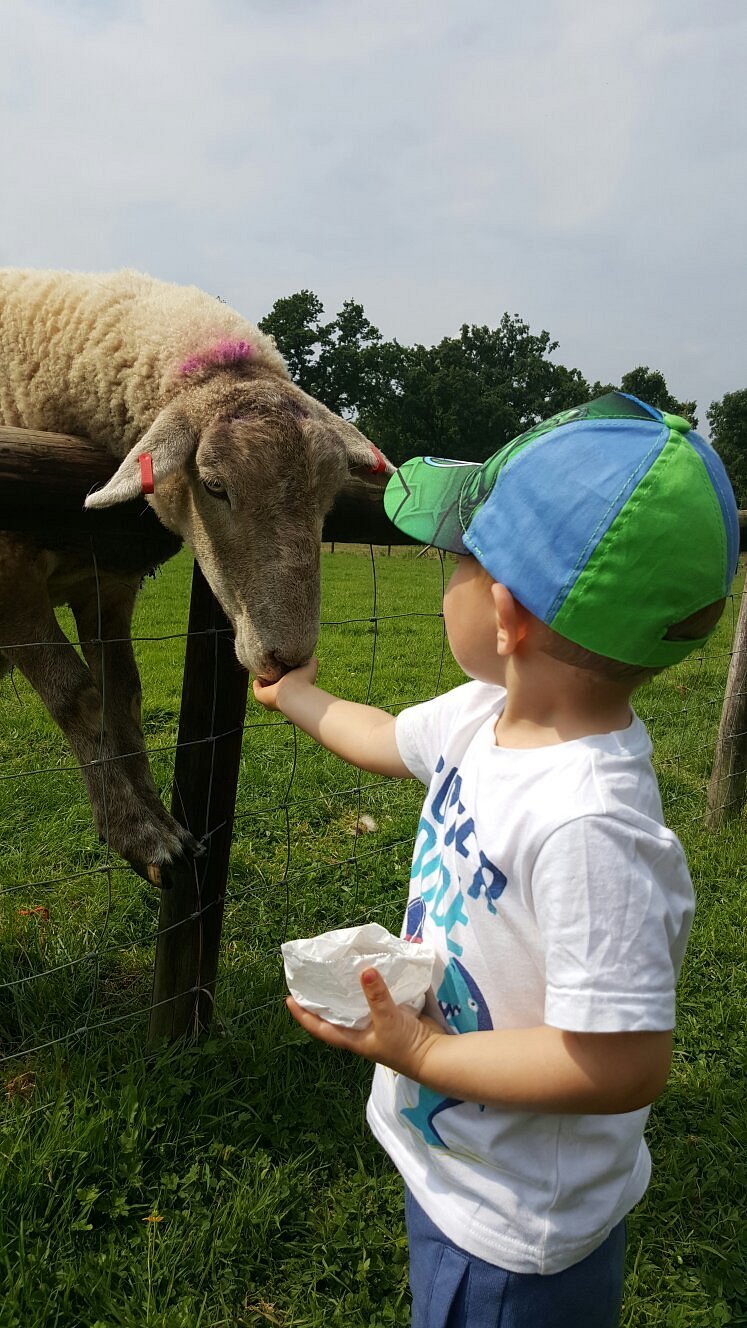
[301,856]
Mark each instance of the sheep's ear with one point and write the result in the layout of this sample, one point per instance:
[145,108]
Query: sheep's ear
[363,457]
[170,442]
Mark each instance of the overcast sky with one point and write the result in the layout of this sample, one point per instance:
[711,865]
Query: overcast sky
[582,163]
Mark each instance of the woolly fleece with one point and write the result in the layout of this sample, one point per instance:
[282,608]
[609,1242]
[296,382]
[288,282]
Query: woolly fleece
[102,354]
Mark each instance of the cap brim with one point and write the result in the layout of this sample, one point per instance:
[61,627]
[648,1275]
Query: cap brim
[422,499]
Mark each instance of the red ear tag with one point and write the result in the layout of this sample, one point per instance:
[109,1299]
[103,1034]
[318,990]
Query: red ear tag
[146,472]
[381,466]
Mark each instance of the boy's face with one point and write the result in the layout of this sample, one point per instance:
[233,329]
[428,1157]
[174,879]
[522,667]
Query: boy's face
[470,619]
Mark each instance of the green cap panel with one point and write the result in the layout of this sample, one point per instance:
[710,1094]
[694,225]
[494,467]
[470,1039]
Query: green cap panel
[649,532]
[422,499]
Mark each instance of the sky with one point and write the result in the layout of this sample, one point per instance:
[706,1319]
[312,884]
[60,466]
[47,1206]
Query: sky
[580,163]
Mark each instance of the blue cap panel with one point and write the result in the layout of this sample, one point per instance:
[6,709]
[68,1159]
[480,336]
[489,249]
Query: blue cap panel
[539,543]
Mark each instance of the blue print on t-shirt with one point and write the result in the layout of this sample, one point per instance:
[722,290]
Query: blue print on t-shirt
[463,1005]
[438,801]
[430,873]
[445,912]
[439,887]
[464,1008]
[415,920]
[489,878]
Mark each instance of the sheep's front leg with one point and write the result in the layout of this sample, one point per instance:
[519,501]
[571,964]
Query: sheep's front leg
[103,614]
[64,683]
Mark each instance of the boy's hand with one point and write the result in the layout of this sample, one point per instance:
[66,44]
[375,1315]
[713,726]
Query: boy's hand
[396,1036]
[268,693]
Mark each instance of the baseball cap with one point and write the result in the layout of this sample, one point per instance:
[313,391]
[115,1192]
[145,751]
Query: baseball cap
[610,522]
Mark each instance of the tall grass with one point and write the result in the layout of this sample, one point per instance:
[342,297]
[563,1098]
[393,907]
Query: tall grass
[235,1182]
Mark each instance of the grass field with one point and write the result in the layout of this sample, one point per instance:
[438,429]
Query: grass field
[234,1183]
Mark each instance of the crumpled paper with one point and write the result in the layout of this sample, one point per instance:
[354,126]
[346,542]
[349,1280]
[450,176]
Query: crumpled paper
[323,972]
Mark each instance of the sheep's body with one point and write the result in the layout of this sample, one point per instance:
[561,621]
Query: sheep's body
[103,354]
[245,467]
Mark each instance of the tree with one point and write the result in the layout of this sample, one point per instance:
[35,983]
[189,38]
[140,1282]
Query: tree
[294,322]
[649,385]
[467,396]
[355,366]
[345,363]
[728,421]
[463,398]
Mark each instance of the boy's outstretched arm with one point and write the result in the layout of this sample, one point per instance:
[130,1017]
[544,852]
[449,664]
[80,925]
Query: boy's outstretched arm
[540,1069]
[360,734]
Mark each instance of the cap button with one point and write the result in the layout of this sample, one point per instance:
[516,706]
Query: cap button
[677,422]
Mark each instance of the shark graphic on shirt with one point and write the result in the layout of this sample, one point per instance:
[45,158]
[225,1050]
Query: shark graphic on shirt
[464,1009]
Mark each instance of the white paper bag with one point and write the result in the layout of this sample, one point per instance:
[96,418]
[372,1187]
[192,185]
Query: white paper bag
[323,972]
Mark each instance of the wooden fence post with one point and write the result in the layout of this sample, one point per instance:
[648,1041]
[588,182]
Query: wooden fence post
[726,787]
[206,774]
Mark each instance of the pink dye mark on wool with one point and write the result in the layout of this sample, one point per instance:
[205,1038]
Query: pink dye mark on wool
[221,355]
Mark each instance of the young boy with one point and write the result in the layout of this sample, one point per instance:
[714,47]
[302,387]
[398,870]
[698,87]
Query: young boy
[597,549]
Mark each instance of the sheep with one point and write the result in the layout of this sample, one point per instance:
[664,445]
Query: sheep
[243,467]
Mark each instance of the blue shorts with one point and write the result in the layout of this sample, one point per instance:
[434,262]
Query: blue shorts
[453,1289]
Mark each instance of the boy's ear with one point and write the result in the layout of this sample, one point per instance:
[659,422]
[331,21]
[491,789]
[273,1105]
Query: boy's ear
[511,619]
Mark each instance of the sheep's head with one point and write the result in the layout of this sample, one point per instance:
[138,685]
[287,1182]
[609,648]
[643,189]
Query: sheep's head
[248,493]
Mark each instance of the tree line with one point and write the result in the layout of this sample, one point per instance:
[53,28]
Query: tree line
[469,394]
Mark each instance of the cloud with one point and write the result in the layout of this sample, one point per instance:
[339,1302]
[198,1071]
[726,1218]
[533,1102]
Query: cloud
[579,164]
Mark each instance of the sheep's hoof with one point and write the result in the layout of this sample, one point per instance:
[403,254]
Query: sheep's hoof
[191,847]
[164,875]
[152,872]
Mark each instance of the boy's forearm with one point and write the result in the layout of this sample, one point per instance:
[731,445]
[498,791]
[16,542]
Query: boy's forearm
[540,1069]
[360,734]
[545,1069]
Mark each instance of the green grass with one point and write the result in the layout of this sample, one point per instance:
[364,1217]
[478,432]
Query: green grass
[235,1182]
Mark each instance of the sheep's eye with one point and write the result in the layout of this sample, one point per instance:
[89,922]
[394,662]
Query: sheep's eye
[215,489]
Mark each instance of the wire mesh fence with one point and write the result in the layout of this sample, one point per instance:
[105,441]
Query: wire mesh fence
[78,929]
[315,843]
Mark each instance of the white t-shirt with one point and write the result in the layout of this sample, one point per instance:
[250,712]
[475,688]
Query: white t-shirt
[552,893]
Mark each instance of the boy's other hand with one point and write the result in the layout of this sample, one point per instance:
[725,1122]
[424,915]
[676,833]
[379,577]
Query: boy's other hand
[396,1036]
[269,693]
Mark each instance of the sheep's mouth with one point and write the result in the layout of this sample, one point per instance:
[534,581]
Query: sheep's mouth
[279,668]
[268,678]
[271,671]
[267,661]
